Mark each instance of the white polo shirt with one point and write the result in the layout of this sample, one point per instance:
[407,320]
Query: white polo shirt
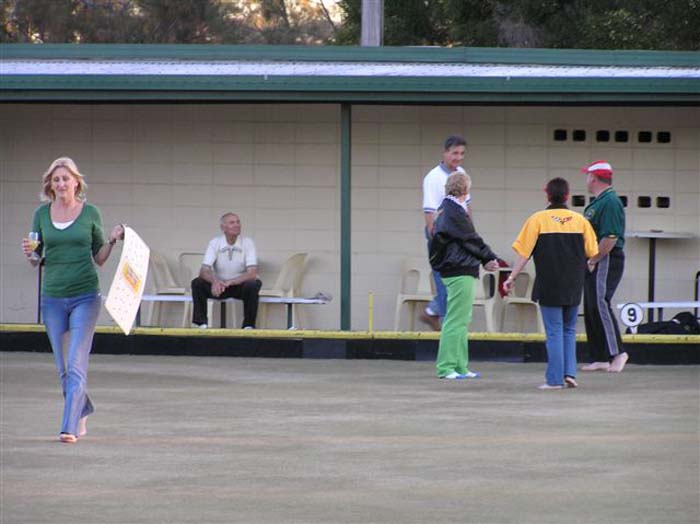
[230,261]
[434,188]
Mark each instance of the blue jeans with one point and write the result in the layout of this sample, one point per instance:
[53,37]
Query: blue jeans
[439,302]
[560,327]
[74,319]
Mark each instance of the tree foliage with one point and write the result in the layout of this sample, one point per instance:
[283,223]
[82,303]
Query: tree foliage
[584,24]
[166,21]
[287,22]
[406,22]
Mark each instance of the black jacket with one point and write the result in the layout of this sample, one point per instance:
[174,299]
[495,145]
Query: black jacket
[456,249]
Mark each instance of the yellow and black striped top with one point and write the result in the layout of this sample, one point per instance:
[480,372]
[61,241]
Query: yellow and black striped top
[560,242]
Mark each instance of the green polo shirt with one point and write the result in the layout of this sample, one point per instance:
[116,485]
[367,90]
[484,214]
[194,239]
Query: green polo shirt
[69,269]
[607,216]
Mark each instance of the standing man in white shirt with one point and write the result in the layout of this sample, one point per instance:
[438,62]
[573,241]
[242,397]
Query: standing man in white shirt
[433,194]
[229,270]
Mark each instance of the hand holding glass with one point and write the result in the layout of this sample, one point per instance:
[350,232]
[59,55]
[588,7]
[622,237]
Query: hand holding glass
[33,238]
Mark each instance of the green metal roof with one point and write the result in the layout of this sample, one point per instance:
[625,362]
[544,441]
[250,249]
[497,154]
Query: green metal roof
[352,54]
[70,72]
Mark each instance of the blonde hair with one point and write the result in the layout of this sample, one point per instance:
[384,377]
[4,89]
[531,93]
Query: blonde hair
[47,194]
[458,184]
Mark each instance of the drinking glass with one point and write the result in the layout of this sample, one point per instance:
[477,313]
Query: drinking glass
[34,241]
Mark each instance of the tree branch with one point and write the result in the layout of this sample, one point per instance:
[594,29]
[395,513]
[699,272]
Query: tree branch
[328,17]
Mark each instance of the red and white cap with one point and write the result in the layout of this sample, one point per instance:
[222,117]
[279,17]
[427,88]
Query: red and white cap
[599,168]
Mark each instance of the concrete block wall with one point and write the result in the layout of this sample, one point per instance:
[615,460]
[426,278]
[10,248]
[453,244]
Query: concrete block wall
[511,155]
[171,170]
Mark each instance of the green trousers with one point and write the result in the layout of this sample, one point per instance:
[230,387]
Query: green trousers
[453,351]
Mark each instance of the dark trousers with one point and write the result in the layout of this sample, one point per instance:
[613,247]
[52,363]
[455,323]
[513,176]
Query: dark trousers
[248,292]
[602,330]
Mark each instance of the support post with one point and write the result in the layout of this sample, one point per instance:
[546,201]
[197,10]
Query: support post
[38,291]
[372,23]
[652,274]
[345,215]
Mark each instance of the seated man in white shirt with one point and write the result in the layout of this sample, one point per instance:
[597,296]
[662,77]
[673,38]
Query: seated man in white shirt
[229,270]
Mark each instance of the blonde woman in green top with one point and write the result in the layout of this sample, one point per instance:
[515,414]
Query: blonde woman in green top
[71,242]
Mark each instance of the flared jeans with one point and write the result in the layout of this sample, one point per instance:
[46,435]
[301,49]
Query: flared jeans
[560,327]
[71,322]
[438,305]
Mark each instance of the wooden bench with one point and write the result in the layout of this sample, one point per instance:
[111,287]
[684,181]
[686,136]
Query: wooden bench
[289,301]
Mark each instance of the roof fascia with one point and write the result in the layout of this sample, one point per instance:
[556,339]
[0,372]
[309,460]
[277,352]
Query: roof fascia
[471,55]
[109,97]
[368,84]
[355,89]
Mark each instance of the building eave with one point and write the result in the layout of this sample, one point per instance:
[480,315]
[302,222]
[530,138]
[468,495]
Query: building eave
[337,74]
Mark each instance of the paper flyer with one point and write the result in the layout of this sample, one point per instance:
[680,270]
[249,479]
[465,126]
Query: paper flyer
[128,284]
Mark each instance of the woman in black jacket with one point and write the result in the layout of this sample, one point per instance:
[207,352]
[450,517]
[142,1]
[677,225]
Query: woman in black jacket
[456,252]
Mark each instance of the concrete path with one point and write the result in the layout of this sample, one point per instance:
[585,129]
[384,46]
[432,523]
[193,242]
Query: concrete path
[227,440]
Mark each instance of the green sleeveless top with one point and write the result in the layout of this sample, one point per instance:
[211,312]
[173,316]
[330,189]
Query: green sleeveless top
[69,269]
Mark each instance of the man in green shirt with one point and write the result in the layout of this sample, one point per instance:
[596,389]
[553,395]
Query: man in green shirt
[607,216]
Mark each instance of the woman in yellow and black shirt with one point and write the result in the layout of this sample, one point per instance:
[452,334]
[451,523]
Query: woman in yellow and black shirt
[561,241]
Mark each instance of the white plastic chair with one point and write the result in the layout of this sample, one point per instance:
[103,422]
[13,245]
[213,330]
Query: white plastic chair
[287,284]
[189,264]
[416,288]
[489,300]
[521,301]
[164,284]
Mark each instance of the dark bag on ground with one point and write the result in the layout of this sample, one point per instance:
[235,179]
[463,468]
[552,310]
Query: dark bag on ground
[682,324]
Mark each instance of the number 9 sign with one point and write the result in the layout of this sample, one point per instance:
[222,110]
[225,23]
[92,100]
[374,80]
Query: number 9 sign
[632,315]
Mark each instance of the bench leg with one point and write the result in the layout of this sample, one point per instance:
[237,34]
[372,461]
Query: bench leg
[186,314]
[262,315]
[155,313]
[290,316]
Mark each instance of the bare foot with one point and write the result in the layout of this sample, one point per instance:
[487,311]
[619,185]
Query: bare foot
[570,382]
[67,438]
[596,366]
[545,386]
[432,320]
[82,427]
[618,363]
